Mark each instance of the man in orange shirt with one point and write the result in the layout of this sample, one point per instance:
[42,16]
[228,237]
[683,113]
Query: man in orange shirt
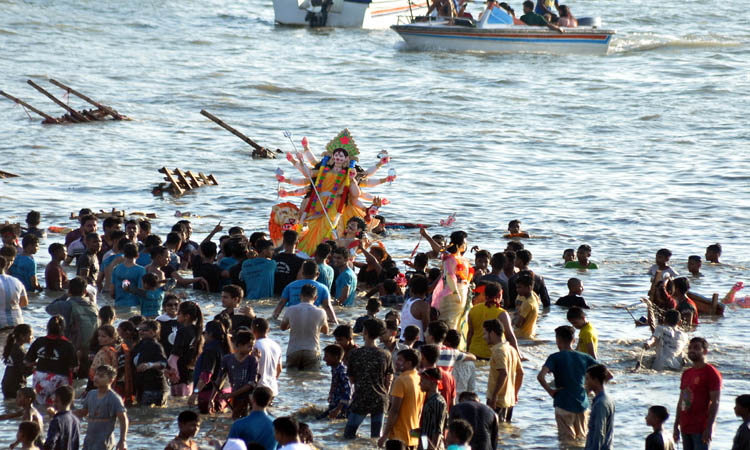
[406,401]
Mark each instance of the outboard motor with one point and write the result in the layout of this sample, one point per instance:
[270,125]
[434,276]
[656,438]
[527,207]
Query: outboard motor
[317,14]
[593,22]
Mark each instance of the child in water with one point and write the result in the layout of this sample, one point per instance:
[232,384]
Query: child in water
[574,298]
[150,296]
[54,275]
[372,308]
[27,435]
[670,343]
[168,323]
[658,440]
[481,263]
[514,230]
[241,367]
[340,393]
[188,344]
[33,219]
[694,264]
[583,262]
[24,266]
[528,306]
[662,259]
[13,354]
[713,253]
[25,398]
[189,423]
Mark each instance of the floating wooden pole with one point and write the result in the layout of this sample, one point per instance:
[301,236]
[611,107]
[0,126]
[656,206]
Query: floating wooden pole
[221,123]
[75,114]
[47,117]
[105,108]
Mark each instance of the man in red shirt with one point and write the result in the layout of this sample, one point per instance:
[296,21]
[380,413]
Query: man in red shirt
[447,386]
[699,399]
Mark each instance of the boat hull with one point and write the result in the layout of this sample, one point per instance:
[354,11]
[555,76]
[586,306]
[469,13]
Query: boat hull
[511,39]
[352,14]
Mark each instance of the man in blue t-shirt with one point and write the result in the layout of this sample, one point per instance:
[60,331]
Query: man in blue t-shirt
[127,271]
[325,272]
[24,266]
[258,425]
[345,285]
[258,273]
[290,294]
[569,369]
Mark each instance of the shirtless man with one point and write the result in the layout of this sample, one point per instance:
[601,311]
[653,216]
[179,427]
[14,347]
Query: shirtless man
[355,230]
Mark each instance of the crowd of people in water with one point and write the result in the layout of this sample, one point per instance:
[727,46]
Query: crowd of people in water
[121,336]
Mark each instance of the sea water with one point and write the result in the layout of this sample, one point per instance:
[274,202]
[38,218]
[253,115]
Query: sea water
[641,149]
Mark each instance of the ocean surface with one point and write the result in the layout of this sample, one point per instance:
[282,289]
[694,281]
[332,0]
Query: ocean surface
[641,149]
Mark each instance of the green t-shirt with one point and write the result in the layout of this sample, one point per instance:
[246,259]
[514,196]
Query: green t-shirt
[533,19]
[577,265]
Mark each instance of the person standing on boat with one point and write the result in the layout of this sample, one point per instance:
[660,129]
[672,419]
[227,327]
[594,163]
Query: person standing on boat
[533,19]
[546,7]
[443,8]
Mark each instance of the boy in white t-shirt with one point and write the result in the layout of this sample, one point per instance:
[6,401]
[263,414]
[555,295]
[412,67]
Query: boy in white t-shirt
[269,365]
[670,343]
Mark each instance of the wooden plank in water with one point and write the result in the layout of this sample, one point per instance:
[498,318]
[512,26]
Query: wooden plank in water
[195,181]
[105,108]
[21,102]
[231,129]
[175,185]
[181,177]
[78,116]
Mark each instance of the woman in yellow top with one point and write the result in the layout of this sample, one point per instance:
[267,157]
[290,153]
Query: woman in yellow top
[483,312]
[528,306]
[451,295]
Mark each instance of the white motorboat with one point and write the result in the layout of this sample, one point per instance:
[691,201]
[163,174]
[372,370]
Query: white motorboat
[346,13]
[495,32]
